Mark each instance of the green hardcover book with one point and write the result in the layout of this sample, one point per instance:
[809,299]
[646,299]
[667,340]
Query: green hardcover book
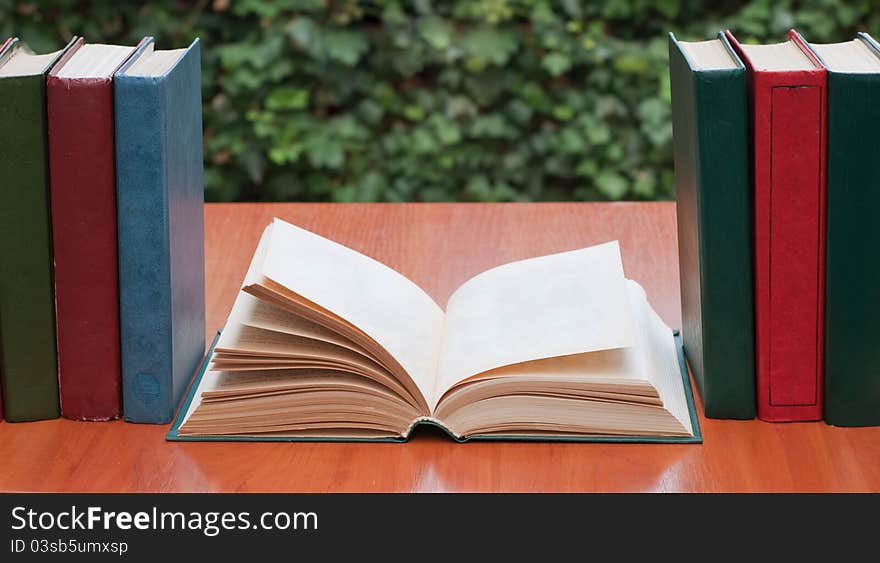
[852,270]
[713,193]
[27,303]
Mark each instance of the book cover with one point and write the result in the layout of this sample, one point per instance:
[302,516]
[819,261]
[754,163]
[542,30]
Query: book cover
[159,191]
[27,303]
[787,85]
[83,196]
[697,438]
[852,274]
[3,46]
[714,213]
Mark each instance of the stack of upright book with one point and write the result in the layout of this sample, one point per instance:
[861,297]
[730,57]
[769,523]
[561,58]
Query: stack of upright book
[777,188]
[101,230]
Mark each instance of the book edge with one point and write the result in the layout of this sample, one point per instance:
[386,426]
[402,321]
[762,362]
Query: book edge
[173,434]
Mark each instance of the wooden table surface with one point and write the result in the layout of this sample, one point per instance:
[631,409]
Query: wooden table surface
[439,246]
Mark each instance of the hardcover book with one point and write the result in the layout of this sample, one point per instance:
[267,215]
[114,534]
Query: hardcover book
[83,195]
[714,211]
[789,134]
[324,343]
[852,271]
[27,302]
[160,201]
[2,49]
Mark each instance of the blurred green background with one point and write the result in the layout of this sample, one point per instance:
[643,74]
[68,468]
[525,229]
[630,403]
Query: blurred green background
[486,100]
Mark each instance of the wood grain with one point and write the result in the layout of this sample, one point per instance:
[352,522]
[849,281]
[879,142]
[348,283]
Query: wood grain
[439,246]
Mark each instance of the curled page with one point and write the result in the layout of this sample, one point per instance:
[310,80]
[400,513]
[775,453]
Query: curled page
[555,305]
[384,304]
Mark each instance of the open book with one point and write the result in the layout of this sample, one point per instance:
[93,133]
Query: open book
[326,343]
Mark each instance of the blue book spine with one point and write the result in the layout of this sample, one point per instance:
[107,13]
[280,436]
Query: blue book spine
[160,228]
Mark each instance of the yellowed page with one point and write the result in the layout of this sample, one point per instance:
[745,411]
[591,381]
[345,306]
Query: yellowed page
[250,311]
[385,305]
[557,305]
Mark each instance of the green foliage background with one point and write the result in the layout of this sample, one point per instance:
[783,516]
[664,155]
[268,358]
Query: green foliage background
[396,100]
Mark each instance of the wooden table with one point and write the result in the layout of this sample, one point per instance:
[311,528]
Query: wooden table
[439,246]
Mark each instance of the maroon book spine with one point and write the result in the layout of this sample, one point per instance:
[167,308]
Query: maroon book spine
[83,196]
[789,178]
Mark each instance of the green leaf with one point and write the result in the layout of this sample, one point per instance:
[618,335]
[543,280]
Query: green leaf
[447,131]
[303,31]
[423,142]
[563,112]
[345,46]
[631,64]
[669,8]
[587,168]
[489,45]
[436,31]
[414,112]
[598,133]
[325,153]
[287,98]
[612,184]
[556,63]
[645,184]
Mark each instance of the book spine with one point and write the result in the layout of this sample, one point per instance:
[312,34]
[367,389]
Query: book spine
[143,248]
[852,285]
[83,195]
[186,216]
[27,307]
[3,47]
[713,193]
[789,177]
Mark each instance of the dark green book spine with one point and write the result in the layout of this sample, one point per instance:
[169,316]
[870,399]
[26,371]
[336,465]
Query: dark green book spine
[27,303]
[716,258]
[852,254]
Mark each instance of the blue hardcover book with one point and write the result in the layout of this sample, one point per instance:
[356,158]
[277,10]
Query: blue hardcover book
[160,201]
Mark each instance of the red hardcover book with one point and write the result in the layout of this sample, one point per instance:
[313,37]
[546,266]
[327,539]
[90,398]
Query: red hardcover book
[2,48]
[788,89]
[83,196]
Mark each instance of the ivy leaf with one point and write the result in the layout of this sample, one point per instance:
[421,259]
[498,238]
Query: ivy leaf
[556,63]
[345,46]
[669,8]
[325,153]
[414,112]
[303,31]
[287,99]
[489,45]
[598,133]
[261,8]
[631,63]
[447,131]
[372,187]
[611,184]
[255,165]
[563,112]
[436,31]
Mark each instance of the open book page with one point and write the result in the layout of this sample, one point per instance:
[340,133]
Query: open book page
[636,389]
[384,304]
[556,305]
[660,357]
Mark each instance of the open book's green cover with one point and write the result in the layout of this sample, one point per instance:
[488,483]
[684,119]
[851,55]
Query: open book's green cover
[697,438]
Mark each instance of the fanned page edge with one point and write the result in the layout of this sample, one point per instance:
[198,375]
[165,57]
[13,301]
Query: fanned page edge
[363,303]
